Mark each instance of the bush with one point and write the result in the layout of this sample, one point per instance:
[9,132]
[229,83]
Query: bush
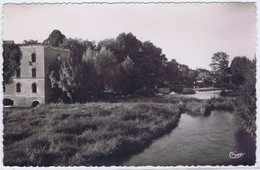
[145,92]
[188,91]
[223,93]
[222,104]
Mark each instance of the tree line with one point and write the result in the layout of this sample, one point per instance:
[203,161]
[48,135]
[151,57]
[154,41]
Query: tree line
[123,66]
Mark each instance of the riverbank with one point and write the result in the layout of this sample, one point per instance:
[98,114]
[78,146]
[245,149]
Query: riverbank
[95,133]
[204,107]
[83,134]
[199,140]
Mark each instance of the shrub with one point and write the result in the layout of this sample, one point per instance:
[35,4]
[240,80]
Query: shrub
[223,93]
[221,103]
[145,92]
[188,91]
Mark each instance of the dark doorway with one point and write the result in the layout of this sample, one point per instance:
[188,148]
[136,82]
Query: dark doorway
[35,103]
[8,102]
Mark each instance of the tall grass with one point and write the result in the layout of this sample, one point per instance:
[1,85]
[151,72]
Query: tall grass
[199,107]
[83,134]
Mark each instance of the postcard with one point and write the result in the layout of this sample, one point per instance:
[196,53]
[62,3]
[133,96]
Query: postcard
[129,84]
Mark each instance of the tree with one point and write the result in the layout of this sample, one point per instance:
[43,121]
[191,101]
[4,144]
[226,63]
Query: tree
[108,43]
[239,69]
[56,39]
[79,83]
[107,68]
[125,77]
[219,64]
[12,58]
[171,72]
[191,78]
[124,46]
[127,45]
[151,64]
[79,48]
[246,102]
[89,54]
[184,69]
[147,58]
[187,75]
[65,80]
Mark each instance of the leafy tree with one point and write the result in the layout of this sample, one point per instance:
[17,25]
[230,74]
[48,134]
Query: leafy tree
[171,72]
[125,77]
[184,69]
[147,58]
[219,64]
[91,84]
[246,102]
[56,39]
[151,65]
[126,45]
[187,75]
[65,80]
[191,77]
[78,49]
[57,94]
[108,43]
[90,54]
[239,69]
[12,58]
[78,83]
[106,66]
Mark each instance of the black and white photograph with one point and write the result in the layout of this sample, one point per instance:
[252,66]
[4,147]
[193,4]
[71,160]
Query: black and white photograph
[129,84]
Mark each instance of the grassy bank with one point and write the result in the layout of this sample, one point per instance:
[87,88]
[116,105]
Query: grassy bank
[199,107]
[83,134]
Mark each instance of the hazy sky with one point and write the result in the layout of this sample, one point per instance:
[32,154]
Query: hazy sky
[189,33]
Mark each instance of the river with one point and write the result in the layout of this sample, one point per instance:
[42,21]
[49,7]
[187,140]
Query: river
[198,94]
[199,141]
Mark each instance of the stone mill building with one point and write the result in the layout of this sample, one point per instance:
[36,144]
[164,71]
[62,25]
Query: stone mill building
[30,85]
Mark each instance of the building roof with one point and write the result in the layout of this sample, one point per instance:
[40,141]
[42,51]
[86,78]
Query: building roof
[203,70]
[42,45]
[8,42]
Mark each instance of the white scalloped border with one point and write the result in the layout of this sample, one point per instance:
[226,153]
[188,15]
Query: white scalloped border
[257,165]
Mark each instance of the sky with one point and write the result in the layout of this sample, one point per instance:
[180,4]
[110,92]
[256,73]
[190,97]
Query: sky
[188,32]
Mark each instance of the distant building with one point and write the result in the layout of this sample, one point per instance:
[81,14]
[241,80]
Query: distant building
[178,86]
[30,83]
[8,42]
[203,74]
[204,78]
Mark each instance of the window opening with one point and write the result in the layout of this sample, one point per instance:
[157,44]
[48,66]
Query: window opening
[18,72]
[33,72]
[34,88]
[33,57]
[18,87]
